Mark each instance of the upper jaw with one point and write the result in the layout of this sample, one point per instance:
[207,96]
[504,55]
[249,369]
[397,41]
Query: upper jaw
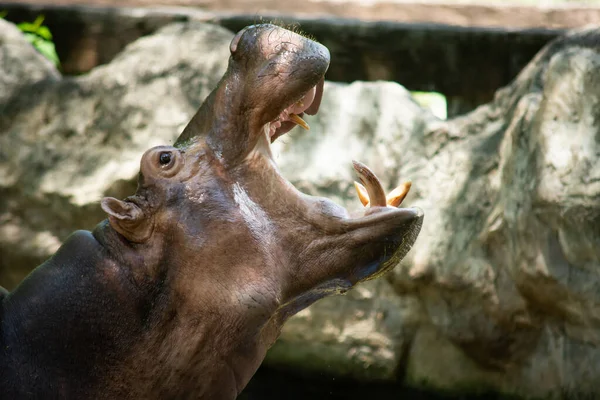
[379,207]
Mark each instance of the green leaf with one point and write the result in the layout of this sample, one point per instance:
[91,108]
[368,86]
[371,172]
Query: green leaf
[48,50]
[39,21]
[436,102]
[44,32]
[31,37]
[45,47]
[40,37]
[3,13]
[27,27]
[36,27]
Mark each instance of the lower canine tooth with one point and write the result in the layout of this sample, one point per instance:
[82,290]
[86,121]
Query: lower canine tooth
[363,196]
[299,121]
[394,199]
[371,183]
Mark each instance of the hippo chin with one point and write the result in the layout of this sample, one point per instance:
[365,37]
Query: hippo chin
[182,290]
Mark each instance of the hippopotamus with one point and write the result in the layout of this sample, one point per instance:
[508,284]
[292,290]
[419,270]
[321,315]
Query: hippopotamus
[182,289]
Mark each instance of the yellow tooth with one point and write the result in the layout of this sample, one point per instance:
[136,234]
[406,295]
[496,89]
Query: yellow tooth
[371,184]
[363,195]
[394,199]
[299,121]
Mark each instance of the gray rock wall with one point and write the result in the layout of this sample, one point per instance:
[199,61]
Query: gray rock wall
[501,290]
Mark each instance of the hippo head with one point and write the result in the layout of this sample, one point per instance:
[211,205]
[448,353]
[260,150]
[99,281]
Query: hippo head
[230,243]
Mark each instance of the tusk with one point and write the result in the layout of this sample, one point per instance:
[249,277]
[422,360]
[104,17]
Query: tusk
[363,196]
[396,196]
[299,121]
[371,183]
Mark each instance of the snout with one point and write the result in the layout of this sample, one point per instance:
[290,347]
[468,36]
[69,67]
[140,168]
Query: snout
[383,239]
[278,75]
[275,52]
[268,41]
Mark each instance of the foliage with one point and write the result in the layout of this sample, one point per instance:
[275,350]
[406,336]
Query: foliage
[39,36]
[436,102]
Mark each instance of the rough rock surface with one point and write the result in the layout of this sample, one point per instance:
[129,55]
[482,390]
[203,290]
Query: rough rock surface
[501,289]
[21,64]
[507,267]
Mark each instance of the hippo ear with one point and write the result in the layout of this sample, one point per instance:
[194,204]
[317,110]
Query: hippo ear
[127,218]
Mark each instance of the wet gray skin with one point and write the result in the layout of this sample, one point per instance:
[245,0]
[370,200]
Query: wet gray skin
[181,291]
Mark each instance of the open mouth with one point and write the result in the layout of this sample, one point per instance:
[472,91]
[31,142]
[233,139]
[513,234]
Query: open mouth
[370,191]
[293,115]
[382,224]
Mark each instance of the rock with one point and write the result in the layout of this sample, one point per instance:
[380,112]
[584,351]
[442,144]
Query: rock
[21,64]
[515,187]
[501,289]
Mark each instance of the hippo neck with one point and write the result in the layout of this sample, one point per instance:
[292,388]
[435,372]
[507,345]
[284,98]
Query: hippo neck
[172,327]
[119,250]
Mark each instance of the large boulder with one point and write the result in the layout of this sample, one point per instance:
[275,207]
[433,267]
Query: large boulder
[508,265]
[501,289]
[21,64]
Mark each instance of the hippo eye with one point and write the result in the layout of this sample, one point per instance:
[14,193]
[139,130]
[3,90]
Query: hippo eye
[163,161]
[164,158]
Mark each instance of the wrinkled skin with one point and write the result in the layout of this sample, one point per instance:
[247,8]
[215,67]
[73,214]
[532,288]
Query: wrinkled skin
[181,291]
